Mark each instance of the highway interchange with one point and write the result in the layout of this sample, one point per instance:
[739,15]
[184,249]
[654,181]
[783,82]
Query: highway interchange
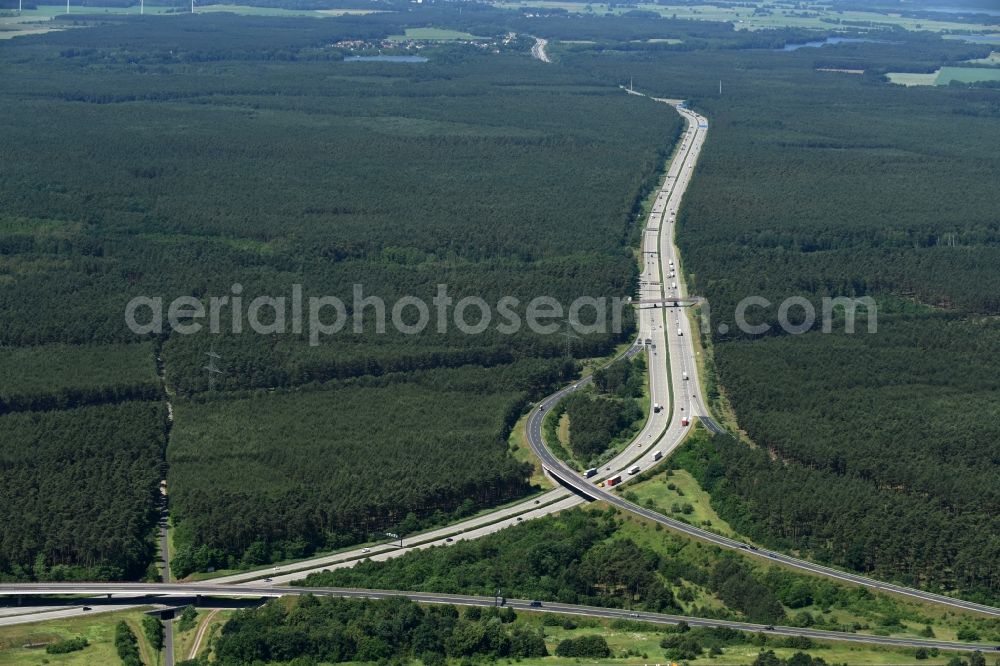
[670,325]
[674,383]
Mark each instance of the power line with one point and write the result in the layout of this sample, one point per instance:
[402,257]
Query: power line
[212,370]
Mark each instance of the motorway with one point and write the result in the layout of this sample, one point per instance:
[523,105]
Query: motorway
[679,369]
[538,49]
[187,591]
[671,356]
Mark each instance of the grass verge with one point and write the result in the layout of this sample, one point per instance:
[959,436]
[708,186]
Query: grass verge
[99,630]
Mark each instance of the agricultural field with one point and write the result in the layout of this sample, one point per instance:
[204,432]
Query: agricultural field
[434,35]
[966,75]
[247,10]
[946,75]
[39,20]
[50,11]
[762,16]
[913,79]
[20,30]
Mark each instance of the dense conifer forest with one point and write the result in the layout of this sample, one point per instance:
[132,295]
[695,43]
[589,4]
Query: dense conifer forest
[79,491]
[817,184]
[64,376]
[181,157]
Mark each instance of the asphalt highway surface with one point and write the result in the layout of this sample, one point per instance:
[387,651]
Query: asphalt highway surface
[538,49]
[661,277]
[209,589]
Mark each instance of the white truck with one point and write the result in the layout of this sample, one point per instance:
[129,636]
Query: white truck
[657,455]
[634,470]
[679,331]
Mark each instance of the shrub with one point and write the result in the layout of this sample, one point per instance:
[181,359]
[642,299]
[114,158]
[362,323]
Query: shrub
[968,634]
[189,617]
[592,646]
[153,628]
[68,645]
[127,645]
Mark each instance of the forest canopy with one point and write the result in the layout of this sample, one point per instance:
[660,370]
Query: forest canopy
[814,185]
